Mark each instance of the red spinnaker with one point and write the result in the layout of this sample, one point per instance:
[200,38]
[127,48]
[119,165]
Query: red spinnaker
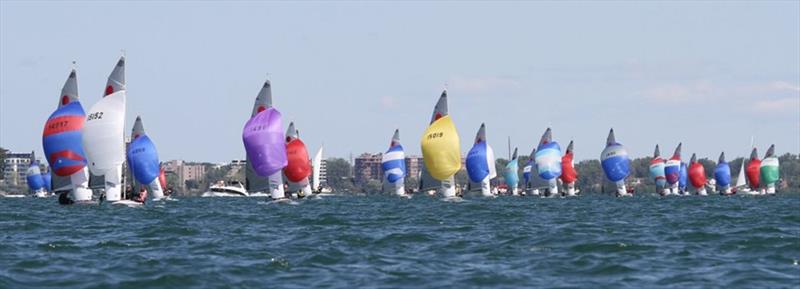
[697,175]
[299,167]
[568,172]
[753,172]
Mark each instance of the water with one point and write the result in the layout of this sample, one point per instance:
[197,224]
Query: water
[381,241]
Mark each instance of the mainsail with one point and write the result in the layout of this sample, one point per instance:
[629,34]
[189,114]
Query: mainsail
[254,182]
[511,174]
[548,161]
[103,134]
[264,141]
[672,170]
[480,163]
[143,160]
[722,175]
[697,176]
[393,164]
[316,166]
[568,173]
[770,170]
[441,150]
[298,167]
[61,140]
[616,164]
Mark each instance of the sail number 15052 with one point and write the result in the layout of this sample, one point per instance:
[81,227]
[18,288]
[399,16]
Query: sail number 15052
[96,115]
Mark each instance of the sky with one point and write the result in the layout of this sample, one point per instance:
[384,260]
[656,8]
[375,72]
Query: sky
[708,74]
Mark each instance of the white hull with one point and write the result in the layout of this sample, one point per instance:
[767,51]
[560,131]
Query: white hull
[448,190]
[221,195]
[127,203]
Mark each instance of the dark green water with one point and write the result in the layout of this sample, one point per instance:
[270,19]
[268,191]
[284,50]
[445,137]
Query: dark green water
[385,242]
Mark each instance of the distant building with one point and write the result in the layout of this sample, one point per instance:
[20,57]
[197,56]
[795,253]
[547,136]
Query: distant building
[413,166]
[15,168]
[185,171]
[367,167]
[238,163]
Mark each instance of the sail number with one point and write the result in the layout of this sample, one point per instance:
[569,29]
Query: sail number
[96,115]
[435,135]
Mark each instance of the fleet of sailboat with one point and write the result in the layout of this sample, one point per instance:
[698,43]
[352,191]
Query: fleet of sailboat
[82,146]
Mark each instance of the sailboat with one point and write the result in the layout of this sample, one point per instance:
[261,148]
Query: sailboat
[548,162]
[298,167]
[393,164]
[672,171]
[34,178]
[657,172]
[143,161]
[103,134]
[316,166]
[697,176]
[722,175]
[264,141]
[162,180]
[63,148]
[480,163]
[529,173]
[441,151]
[770,172]
[568,173]
[753,172]
[511,174]
[616,164]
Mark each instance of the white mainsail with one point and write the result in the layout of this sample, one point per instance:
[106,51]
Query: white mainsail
[317,165]
[103,134]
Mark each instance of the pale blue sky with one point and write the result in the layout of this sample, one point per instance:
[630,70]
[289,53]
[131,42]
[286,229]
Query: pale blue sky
[709,74]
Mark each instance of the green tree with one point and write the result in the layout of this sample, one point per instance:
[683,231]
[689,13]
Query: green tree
[339,175]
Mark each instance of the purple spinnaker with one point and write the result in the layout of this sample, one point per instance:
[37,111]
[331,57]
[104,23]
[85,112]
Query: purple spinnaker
[263,138]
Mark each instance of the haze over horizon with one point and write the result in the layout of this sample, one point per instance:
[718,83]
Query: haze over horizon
[708,74]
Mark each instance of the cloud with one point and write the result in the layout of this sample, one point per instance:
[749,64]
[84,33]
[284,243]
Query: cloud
[786,104]
[388,101]
[761,94]
[681,93]
[481,84]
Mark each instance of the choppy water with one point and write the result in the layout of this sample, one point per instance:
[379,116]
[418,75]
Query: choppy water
[380,241]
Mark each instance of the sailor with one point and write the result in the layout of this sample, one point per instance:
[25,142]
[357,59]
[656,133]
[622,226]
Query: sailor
[142,196]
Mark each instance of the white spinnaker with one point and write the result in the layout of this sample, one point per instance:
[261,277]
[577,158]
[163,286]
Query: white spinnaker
[103,138]
[316,166]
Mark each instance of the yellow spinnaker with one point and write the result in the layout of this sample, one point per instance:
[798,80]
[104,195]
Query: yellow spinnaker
[441,149]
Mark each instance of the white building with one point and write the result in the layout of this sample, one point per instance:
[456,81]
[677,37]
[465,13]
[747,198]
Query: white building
[15,168]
